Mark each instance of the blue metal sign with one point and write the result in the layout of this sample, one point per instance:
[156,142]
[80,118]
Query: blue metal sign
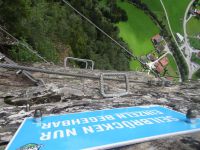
[101,129]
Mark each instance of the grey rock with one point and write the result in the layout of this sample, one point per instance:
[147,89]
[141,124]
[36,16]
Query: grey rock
[6,138]
[21,114]
[69,92]
[2,114]
[163,100]
[62,95]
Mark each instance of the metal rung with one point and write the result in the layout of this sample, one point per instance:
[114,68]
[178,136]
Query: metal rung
[86,61]
[2,58]
[114,94]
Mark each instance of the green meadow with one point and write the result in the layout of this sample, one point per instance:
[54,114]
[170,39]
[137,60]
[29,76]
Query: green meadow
[156,7]
[175,9]
[193,27]
[195,43]
[172,67]
[137,31]
[195,59]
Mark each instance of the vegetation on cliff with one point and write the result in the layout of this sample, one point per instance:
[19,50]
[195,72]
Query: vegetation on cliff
[56,31]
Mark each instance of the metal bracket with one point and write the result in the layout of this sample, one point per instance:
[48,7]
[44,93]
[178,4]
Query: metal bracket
[102,90]
[25,73]
[2,58]
[86,61]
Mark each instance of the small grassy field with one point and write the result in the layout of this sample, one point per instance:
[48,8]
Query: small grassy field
[193,27]
[137,31]
[172,69]
[195,59]
[175,9]
[172,64]
[195,43]
[156,8]
[196,75]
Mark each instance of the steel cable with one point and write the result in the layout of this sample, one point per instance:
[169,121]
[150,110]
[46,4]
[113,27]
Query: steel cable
[144,65]
[32,69]
[24,45]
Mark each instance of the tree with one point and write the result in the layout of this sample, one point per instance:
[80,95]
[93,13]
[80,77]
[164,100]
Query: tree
[49,26]
[12,14]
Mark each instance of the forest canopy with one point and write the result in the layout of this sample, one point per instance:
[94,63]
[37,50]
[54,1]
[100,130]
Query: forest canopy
[56,31]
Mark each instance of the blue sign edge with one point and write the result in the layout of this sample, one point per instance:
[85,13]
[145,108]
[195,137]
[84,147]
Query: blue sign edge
[13,138]
[141,140]
[119,144]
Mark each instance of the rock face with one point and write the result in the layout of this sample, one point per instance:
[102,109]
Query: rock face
[61,94]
